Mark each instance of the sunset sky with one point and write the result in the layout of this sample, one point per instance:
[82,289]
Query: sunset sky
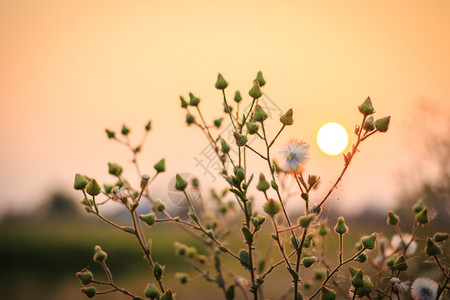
[69,69]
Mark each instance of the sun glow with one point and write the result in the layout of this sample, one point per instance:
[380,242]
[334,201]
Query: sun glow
[332,138]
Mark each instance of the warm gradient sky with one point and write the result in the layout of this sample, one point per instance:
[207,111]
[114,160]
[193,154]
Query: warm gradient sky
[68,69]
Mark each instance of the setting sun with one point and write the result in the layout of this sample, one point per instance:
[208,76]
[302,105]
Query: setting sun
[332,138]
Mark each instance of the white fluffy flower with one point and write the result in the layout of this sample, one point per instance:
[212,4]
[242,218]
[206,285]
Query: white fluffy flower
[424,289]
[296,154]
[396,244]
[398,286]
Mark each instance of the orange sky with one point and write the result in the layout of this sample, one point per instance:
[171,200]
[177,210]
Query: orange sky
[68,69]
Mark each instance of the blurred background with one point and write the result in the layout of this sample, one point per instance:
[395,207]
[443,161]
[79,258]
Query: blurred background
[70,69]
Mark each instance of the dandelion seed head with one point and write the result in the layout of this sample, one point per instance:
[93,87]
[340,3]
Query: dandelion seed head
[295,155]
[424,289]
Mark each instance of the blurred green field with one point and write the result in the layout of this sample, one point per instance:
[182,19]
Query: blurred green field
[39,260]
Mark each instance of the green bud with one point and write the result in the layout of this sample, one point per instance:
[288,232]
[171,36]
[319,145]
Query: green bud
[218,122]
[241,139]
[190,119]
[390,262]
[80,182]
[148,126]
[287,119]
[224,146]
[440,236]
[358,279]
[263,185]
[369,124]
[353,271]
[418,206]
[90,291]
[308,239]
[358,245]
[259,115]
[149,219]
[159,206]
[202,259]
[151,291]
[180,183]
[255,91]
[366,288]
[227,108]
[85,276]
[107,188]
[319,274]
[304,221]
[191,252]
[252,128]
[99,255]
[401,264]
[361,258]
[183,278]
[422,216]
[259,78]
[221,83]
[93,188]
[327,294]
[340,227]
[366,107]
[125,130]
[111,134]
[369,242]
[160,166]
[194,101]
[114,169]
[180,249]
[237,96]
[382,125]
[308,261]
[323,230]
[432,249]
[167,295]
[271,207]
[392,218]
[158,271]
[184,103]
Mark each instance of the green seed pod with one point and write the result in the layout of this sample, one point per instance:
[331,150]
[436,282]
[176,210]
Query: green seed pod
[160,166]
[237,96]
[218,122]
[80,182]
[319,274]
[180,249]
[85,276]
[167,295]
[191,252]
[107,188]
[390,262]
[158,271]
[260,79]
[241,139]
[422,216]
[194,101]
[361,258]
[323,230]
[369,124]
[327,294]
[418,206]
[202,259]
[255,91]
[308,239]
[353,271]
[252,128]
[90,291]
[111,134]
[340,227]
[263,185]
[151,291]
[432,249]
[366,288]
[148,126]
[224,146]
[184,103]
[271,207]
[159,206]
[358,279]
[440,236]
[190,119]
[149,219]
[382,125]
[221,83]
[93,188]
[125,130]
[287,119]
[366,107]
[183,278]
[392,218]
[304,221]
[259,115]
[114,169]
[369,241]
[180,183]
[308,261]
[401,264]
[100,256]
